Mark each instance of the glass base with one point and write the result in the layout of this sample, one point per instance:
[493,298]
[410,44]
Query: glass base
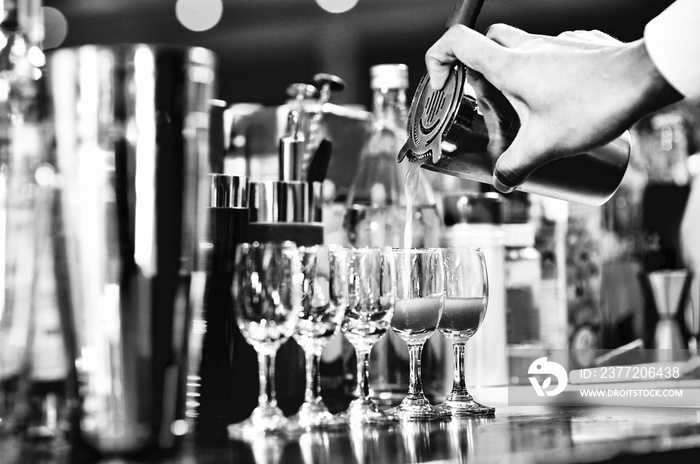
[315,416]
[365,411]
[265,420]
[461,404]
[418,409]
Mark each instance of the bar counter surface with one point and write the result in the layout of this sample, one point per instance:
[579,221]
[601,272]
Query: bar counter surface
[514,435]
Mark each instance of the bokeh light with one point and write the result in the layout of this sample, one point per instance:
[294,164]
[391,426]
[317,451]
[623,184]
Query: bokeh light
[199,15]
[55,26]
[337,6]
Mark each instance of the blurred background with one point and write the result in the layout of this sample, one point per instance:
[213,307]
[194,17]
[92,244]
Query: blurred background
[264,45]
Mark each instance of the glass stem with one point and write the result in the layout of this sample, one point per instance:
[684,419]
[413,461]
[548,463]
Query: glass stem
[363,374]
[459,381]
[415,384]
[313,381]
[266,375]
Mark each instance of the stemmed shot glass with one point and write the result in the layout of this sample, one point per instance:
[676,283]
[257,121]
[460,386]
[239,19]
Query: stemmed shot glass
[325,296]
[417,312]
[371,293]
[267,289]
[466,299]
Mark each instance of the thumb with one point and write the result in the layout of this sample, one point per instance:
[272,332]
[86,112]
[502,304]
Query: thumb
[438,75]
[516,164]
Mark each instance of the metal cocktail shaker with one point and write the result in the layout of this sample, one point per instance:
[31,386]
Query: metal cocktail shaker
[462,130]
[131,131]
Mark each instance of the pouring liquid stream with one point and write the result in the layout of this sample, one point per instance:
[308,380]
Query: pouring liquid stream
[411,185]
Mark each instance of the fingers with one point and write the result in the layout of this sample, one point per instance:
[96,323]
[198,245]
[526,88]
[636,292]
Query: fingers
[516,163]
[460,43]
[488,53]
[512,37]
[508,36]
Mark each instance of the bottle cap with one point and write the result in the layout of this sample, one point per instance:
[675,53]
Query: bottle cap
[388,76]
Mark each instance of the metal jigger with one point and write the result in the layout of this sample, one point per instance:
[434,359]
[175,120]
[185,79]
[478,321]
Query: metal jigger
[670,290]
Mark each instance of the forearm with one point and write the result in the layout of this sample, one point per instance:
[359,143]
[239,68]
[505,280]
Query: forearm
[647,89]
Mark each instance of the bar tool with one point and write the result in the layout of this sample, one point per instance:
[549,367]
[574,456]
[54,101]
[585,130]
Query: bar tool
[291,149]
[327,84]
[669,288]
[319,163]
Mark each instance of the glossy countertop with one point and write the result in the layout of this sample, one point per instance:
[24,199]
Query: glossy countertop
[513,435]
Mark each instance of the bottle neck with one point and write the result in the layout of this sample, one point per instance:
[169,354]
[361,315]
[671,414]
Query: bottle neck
[389,107]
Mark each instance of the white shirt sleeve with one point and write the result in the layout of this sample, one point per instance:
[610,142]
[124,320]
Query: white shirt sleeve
[672,40]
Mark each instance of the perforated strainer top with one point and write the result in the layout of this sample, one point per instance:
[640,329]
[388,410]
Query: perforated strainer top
[431,114]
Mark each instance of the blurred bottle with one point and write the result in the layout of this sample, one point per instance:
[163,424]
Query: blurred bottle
[523,276]
[664,149]
[621,293]
[375,215]
[236,119]
[376,204]
[33,366]
[583,281]
[550,217]
[475,220]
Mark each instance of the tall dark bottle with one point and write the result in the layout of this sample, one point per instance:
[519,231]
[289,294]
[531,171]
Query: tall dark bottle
[227,361]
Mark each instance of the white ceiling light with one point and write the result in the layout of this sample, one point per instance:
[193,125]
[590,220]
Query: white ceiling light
[199,15]
[337,6]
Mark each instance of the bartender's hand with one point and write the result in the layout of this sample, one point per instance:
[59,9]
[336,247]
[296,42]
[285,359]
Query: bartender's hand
[572,93]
